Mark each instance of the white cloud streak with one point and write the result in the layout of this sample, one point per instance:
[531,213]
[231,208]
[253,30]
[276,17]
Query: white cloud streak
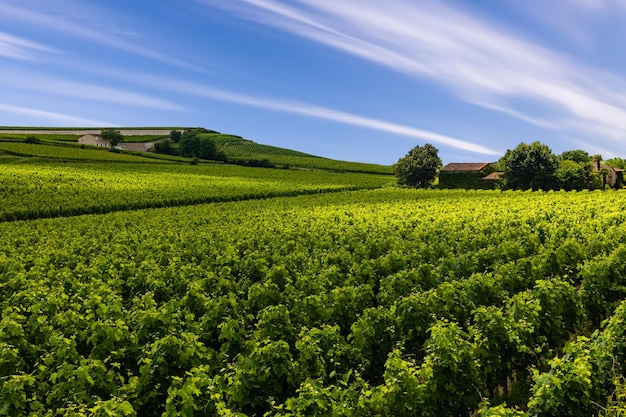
[96,34]
[350,119]
[305,109]
[577,19]
[43,84]
[483,62]
[42,117]
[286,106]
[16,47]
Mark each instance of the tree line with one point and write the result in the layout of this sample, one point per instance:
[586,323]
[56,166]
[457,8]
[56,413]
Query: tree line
[192,144]
[526,167]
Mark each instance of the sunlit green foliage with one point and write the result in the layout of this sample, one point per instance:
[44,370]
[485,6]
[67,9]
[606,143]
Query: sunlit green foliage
[572,175]
[43,137]
[529,166]
[75,153]
[418,168]
[247,150]
[40,189]
[390,302]
[113,136]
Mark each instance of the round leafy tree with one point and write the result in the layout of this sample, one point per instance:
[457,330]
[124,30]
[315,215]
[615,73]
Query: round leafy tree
[418,168]
[577,155]
[571,175]
[531,166]
[114,136]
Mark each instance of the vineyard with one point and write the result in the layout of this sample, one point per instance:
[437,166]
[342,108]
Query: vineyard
[385,302]
[244,149]
[70,153]
[50,189]
[41,137]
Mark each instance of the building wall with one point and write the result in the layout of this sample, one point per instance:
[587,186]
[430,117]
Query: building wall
[94,140]
[142,147]
[466,179]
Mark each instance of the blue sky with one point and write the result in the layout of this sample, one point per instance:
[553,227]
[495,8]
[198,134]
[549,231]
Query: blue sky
[358,80]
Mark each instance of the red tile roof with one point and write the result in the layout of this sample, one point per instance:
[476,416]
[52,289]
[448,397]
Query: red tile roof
[492,177]
[465,166]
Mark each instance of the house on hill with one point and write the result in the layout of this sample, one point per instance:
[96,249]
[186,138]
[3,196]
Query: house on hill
[614,176]
[468,175]
[94,139]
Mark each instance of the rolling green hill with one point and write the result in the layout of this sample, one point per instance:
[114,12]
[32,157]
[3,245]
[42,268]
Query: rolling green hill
[237,150]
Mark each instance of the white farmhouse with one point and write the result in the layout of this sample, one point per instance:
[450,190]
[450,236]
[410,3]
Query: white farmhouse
[94,139]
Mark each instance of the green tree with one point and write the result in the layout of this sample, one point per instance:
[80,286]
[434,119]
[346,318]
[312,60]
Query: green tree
[175,136]
[571,175]
[577,155]
[206,149]
[531,166]
[616,162]
[114,136]
[165,147]
[418,168]
[189,143]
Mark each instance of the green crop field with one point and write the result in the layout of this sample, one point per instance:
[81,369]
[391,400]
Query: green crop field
[74,138]
[222,139]
[384,302]
[75,152]
[279,156]
[49,189]
[151,289]
[89,153]
[42,137]
[244,148]
[144,138]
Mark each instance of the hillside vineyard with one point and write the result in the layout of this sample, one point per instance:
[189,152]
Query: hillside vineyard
[50,189]
[387,302]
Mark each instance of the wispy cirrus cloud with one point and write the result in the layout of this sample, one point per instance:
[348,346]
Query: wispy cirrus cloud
[577,19]
[598,6]
[77,20]
[16,47]
[42,117]
[310,110]
[305,109]
[484,63]
[42,83]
